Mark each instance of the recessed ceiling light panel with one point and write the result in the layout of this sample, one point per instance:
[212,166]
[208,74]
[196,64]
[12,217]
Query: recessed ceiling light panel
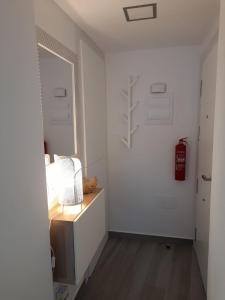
[140,12]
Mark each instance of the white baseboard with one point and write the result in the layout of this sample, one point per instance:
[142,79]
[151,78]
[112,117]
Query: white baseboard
[153,234]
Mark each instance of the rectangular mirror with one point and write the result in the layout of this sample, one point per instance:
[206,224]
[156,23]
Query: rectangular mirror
[58,103]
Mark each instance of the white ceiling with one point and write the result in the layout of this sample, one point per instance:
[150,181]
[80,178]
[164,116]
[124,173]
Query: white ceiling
[179,22]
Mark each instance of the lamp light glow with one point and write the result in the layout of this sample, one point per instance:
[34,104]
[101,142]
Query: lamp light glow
[64,181]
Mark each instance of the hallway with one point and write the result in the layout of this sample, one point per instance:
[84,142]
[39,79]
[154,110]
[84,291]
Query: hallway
[141,268]
[112,172]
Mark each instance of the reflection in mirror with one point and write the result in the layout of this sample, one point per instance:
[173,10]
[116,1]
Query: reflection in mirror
[58,103]
[59,125]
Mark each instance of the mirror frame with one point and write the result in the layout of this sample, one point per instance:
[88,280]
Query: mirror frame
[47,42]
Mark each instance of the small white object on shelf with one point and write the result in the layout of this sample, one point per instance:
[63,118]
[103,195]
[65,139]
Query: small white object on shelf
[128,94]
[61,292]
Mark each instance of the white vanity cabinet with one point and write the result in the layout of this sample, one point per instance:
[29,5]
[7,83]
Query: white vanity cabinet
[89,231]
[76,238]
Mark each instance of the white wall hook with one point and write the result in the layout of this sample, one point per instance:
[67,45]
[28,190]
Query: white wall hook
[134,106]
[132,80]
[124,93]
[124,140]
[134,129]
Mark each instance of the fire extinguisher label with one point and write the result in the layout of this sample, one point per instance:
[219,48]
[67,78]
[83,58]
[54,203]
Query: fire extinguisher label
[180,161]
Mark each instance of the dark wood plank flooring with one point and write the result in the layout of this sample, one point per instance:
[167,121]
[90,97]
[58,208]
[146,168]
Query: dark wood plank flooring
[144,268]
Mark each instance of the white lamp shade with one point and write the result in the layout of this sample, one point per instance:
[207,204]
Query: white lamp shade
[69,187]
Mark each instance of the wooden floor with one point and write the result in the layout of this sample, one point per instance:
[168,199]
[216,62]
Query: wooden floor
[144,268]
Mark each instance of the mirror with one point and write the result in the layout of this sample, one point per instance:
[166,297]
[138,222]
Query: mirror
[58,103]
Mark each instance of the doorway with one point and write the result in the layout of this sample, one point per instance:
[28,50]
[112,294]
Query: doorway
[205,149]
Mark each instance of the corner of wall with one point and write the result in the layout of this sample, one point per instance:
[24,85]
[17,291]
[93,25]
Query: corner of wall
[210,39]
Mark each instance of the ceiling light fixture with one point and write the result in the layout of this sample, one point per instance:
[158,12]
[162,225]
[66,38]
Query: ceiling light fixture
[140,12]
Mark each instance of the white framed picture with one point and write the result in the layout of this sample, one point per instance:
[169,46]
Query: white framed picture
[159,110]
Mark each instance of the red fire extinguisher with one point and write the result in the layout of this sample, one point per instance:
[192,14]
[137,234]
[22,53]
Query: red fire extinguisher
[180,159]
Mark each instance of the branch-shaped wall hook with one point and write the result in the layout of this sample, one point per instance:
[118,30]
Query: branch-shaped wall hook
[128,94]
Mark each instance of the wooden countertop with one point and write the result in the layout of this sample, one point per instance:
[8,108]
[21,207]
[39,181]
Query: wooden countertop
[72,213]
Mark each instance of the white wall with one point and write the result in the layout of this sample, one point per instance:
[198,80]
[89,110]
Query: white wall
[216,269]
[94,99]
[55,22]
[56,73]
[210,38]
[143,195]
[24,248]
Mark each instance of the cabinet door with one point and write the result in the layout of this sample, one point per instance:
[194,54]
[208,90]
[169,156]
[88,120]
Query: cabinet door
[89,231]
